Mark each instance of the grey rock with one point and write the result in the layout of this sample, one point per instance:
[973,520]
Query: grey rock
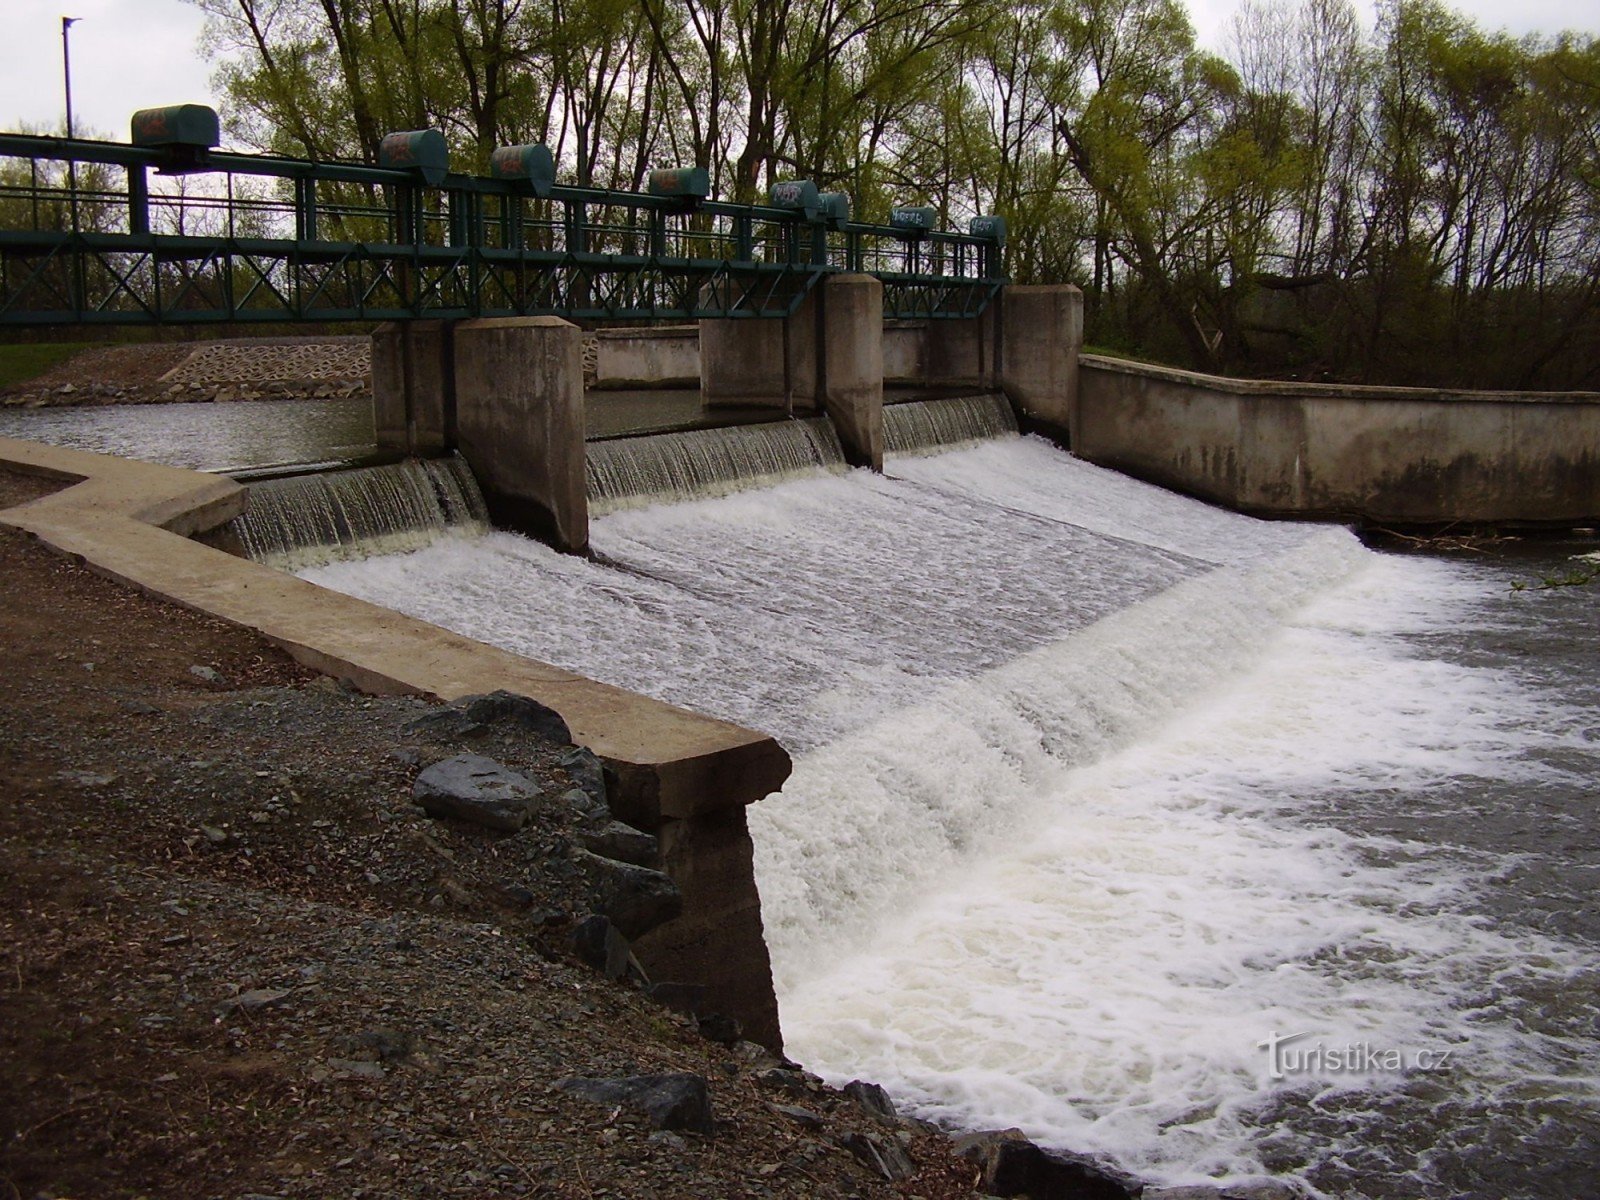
[666,1140]
[597,942]
[623,843]
[506,708]
[586,771]
[205,673]
[883,1155]
[472,788]
[804,1116]
[720,1028]
[872,1100]
[799,1082]
[255,999]
[677,1101]
[1011,1165]
[472,716]
[636,899]
[687,998]
[580,801]
[1191,1192]
[357,1068]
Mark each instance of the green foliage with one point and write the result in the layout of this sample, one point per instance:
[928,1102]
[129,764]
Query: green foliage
[25,361]
[1421,204]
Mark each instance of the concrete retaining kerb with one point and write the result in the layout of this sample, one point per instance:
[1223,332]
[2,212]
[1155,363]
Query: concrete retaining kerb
[130,520]
[687,777]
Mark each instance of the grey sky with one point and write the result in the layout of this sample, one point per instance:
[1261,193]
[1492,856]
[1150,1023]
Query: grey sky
[130,54]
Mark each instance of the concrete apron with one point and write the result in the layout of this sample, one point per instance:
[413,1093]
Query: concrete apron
[685,777]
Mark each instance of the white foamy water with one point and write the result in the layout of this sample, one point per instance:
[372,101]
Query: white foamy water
[1103,974]
[1079,816]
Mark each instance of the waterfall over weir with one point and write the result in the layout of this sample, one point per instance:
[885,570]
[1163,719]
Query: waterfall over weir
[308,520]
[1098,790]
[920,426]
[667,467]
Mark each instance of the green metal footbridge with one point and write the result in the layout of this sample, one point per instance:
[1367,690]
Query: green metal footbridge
[169,229]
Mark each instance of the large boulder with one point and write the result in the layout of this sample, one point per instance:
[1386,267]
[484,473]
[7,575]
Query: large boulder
[1014,1166]
[635,899]
[678,1101]
[623,843]
[472,788]
[472,716]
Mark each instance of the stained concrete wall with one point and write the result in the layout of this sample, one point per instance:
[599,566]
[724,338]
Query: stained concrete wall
[851,365]
[413,386]
[659,356]
[507,392]
[1379,455]
[1041,334]
[762,363]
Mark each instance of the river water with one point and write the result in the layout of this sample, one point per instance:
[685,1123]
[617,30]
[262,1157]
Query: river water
[1216,846]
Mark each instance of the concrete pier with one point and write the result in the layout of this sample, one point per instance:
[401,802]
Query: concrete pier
[507,392]
[413,386]
[519,423]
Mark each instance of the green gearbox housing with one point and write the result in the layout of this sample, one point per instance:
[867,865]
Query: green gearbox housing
[990,228]
[532,165]
[798,196]
[913,220]
[421,151]
[190,126]
[690,184]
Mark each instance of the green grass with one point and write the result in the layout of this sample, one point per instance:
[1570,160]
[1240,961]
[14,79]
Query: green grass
[28,360]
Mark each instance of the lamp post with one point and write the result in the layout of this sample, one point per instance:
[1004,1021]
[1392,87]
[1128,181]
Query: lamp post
[66,74]
[66,65]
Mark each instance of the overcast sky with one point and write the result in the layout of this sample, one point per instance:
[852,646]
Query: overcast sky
[131,54]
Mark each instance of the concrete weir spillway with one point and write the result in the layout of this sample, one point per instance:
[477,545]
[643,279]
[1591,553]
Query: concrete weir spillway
[508,394]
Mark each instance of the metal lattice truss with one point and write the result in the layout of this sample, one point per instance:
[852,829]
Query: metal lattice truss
[101,279]
[87,236]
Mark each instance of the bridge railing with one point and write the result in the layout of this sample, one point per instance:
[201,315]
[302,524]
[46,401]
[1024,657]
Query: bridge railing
[110,232]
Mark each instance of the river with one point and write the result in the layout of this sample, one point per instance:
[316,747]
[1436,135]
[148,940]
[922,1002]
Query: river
[1216,846]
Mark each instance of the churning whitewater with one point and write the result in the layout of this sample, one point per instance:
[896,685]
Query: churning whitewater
[1092,828]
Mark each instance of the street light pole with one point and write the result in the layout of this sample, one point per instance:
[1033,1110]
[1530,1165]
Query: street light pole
[66,74]
[66,65]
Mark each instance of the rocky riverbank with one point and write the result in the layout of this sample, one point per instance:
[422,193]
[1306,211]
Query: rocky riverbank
[297,368]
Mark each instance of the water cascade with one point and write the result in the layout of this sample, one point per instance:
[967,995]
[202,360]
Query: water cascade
[920,426]
[628,472]
[307,520]
[1099,789]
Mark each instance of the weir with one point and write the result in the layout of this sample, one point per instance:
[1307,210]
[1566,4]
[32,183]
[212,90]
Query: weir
[669,467]
[1046,857]
[920,426]
[307,520]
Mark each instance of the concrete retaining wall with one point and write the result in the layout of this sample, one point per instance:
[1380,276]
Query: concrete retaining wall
[1379,455]
[686,777]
